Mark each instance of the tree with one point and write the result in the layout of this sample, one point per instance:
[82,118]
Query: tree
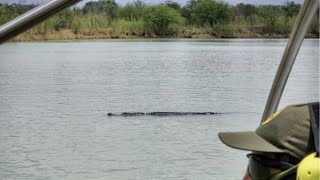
[10,11]
[128,12]
[161,19]
[139,4]
[291,8]
[132,11]
[107,7]
[110,7]
[64,20]
[245,10]
[211,12]
[91,7]
[187,11]
[173,5]
[3,17]
[270,15]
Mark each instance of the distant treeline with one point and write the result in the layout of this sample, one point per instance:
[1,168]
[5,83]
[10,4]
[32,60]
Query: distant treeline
[196,19]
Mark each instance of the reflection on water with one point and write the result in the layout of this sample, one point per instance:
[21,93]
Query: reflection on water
[54,100]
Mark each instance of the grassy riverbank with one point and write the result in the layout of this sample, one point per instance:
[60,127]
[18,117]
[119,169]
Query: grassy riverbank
[67,34]
[105,19]
[132,33]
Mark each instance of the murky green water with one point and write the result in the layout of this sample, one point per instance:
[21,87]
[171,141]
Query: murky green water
[55,96]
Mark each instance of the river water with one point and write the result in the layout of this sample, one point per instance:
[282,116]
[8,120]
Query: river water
[55,97]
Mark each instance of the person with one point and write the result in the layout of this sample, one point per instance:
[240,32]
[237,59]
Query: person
[280,143]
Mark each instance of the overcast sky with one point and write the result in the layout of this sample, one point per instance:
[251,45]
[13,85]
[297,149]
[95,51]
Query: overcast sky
[255,2]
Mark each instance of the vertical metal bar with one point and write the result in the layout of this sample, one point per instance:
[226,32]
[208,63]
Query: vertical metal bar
[32,17]
[299,31]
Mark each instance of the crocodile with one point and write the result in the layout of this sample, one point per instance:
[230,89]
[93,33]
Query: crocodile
[125,114]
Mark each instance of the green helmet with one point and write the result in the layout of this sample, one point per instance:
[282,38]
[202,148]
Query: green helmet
[309,168]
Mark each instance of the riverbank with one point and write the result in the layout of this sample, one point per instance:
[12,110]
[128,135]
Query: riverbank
[68,34]
[205,19]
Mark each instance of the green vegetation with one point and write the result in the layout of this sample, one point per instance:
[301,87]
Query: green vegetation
[161,20]
[196,19]
[208,12]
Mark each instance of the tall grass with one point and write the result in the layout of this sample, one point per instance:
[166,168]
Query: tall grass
[98,25]
[129,28]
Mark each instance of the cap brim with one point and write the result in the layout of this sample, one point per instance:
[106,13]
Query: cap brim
[248,141]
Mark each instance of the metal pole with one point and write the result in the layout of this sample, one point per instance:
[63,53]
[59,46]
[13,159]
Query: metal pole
[299,31]
[32,17]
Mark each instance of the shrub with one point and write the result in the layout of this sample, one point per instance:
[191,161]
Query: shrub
[211,12]
[160,20]
[270,16]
